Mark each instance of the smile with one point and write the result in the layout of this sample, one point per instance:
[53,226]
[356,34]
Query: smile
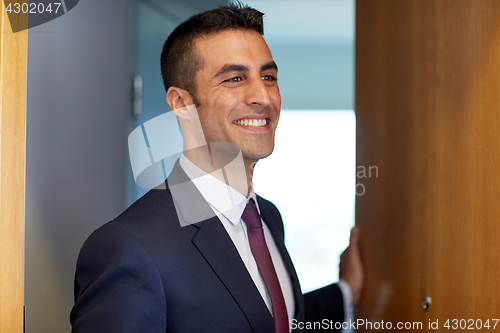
[251,122]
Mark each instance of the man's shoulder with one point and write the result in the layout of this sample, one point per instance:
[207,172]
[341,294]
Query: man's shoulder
[263,200]
[270,214]
[269,206]
[152,215]
[154,202]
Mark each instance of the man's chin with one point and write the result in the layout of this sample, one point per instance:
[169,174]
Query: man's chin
[257,155]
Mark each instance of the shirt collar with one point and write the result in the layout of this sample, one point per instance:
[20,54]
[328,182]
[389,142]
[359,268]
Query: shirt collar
[222,197]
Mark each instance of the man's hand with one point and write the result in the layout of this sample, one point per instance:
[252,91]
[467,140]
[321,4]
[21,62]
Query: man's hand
[351,267]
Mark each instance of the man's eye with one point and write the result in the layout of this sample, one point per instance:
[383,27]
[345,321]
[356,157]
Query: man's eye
[234,79]
[268,78]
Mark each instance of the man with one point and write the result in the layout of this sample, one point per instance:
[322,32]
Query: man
[207,254]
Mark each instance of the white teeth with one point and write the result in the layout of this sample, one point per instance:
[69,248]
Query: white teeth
[251,122]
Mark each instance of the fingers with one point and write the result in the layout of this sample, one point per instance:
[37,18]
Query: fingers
[354,235]
[353,243]
[354,240]
[352,270]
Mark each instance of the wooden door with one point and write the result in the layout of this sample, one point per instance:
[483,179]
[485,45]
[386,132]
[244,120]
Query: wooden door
[13,57]
[428,116]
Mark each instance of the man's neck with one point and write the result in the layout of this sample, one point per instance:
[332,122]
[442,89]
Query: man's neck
[237,174]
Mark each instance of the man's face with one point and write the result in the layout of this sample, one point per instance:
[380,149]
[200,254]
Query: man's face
[238,92]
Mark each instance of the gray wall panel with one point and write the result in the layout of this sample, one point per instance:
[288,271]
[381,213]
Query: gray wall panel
[78,101]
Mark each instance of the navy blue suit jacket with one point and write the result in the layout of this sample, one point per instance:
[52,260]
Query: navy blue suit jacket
[143,272]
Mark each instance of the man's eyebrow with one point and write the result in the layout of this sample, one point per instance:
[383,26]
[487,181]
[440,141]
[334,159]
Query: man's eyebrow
[269,65]
[231,68]
[242,68]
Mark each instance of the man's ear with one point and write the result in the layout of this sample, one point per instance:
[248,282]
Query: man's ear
[178,98]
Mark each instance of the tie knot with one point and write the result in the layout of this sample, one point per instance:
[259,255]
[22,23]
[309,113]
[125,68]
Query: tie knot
[251,215]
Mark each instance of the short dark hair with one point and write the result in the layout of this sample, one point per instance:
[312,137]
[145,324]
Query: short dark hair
[179,61]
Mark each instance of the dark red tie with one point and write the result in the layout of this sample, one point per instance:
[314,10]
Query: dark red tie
[265,264]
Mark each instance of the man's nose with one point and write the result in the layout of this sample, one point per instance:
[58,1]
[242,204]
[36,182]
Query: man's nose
[258,93]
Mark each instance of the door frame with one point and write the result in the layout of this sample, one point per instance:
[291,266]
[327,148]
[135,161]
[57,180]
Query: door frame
[13,70]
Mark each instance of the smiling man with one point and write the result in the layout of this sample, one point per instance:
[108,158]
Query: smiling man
[236,92]
[227,269]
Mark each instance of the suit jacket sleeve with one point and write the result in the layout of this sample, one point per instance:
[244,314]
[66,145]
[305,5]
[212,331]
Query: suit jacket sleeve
[117,286]
[325,303]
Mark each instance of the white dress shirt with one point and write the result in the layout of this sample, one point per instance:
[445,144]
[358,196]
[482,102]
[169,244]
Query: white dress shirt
[228,204]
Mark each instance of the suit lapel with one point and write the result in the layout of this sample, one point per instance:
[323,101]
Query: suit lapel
[218,249]
[278,239]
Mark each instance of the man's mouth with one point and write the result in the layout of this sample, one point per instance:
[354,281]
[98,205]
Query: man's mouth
[251,122]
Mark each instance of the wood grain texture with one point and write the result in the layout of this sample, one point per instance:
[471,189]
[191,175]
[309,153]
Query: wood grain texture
[13,62]
[428,115]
